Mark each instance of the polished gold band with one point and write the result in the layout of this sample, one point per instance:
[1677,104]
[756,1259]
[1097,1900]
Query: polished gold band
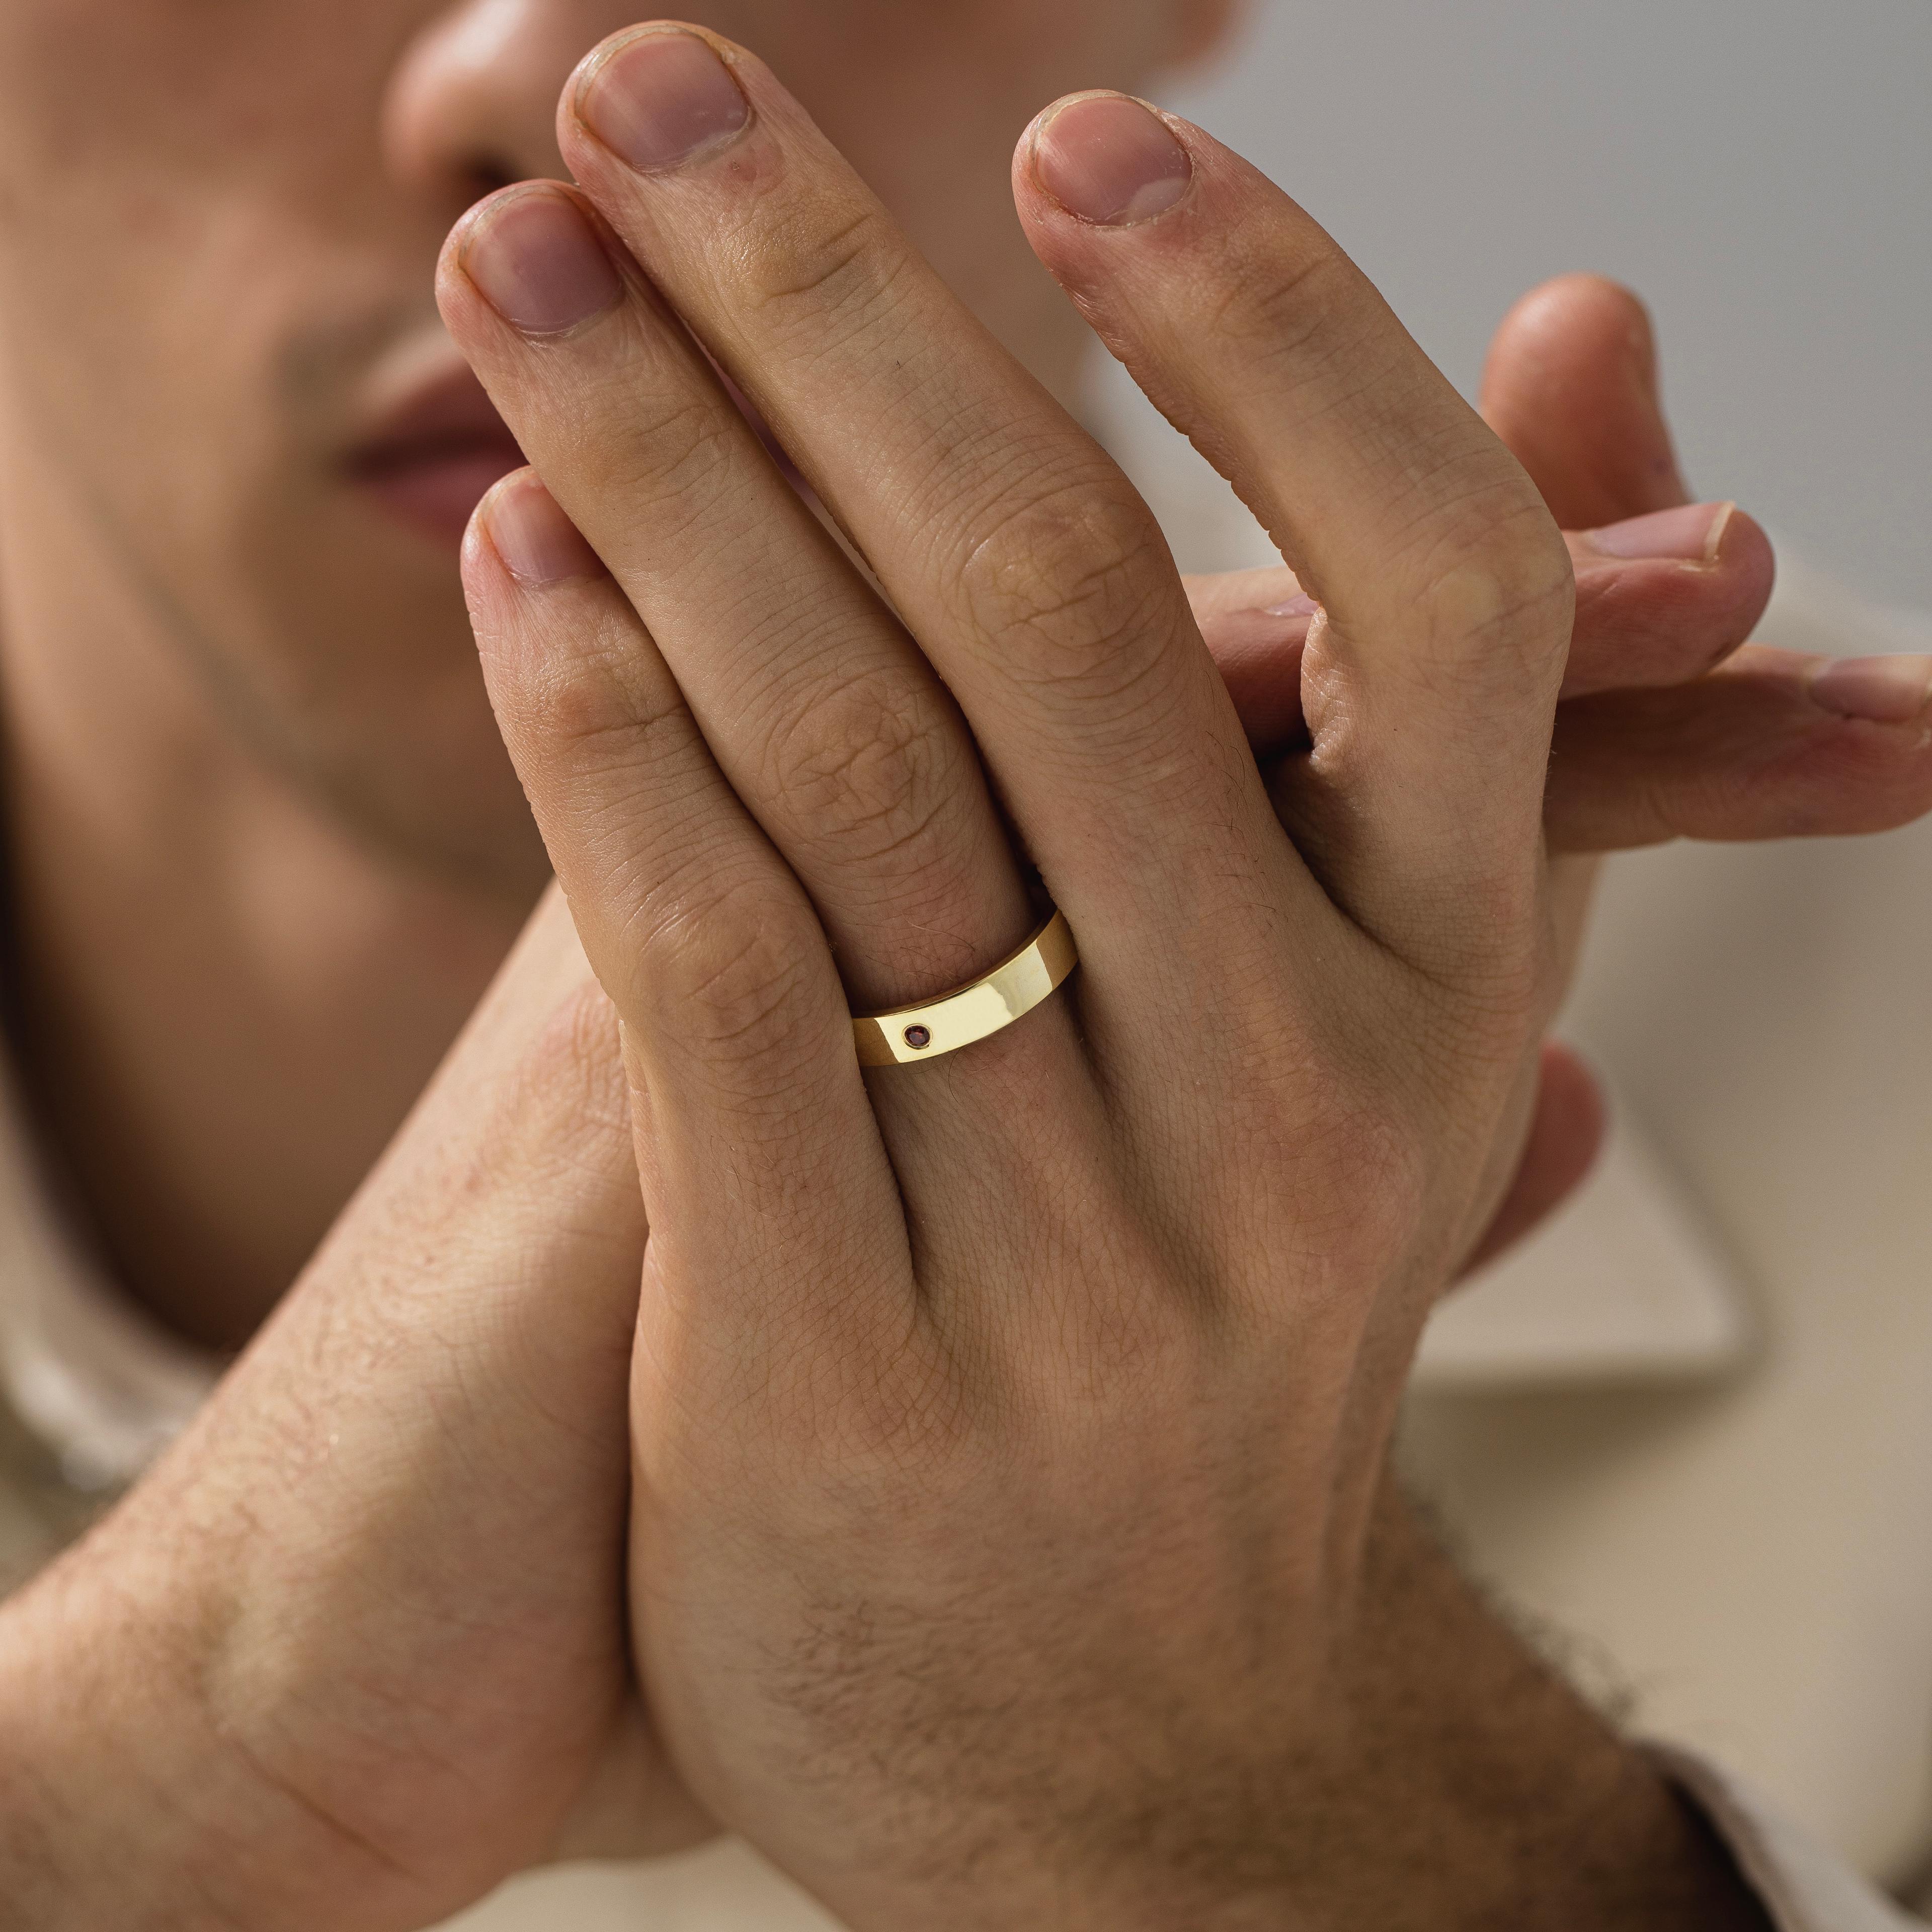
[1015,986]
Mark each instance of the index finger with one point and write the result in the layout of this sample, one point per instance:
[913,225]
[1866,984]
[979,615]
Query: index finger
[1430,682]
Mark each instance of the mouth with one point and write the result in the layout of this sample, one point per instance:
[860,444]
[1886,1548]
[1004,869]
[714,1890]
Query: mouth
[434,447]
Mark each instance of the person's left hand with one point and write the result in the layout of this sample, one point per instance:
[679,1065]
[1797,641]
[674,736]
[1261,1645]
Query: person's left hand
[1009,1431]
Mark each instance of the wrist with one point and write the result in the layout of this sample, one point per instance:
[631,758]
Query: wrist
[111,1783]
[121,1803]
[1470,1786]
[1451,1782]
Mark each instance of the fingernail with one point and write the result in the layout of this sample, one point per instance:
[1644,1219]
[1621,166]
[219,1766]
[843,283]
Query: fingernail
[538,543]
[534,259]
[660,99]
[1109,161]
[1882,690]
[1692,533]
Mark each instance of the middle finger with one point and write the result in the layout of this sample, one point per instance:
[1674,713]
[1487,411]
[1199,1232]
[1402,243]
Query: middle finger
[1034,578]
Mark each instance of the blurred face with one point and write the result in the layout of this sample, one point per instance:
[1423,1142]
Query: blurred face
[219,356]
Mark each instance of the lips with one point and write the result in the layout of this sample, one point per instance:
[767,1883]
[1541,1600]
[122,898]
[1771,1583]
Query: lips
[432,453]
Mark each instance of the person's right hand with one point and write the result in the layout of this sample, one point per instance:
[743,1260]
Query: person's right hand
[354,1650]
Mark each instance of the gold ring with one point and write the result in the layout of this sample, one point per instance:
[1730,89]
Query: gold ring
[1016,985]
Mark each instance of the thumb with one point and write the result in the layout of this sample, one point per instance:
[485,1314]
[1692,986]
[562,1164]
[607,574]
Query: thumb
[1571,386]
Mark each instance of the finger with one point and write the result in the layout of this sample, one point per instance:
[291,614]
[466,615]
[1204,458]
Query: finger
[1775,745]
[1662,598]
[1571,386]
[1446,593]
[825,719]
[736,1026]
[1656,604]
[1034,579]
[1566,1134]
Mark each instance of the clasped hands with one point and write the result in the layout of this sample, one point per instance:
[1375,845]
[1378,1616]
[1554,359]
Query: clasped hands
[969,1481]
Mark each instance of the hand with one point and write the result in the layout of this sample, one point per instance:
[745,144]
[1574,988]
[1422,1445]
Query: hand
[354,1650]
[1009,1431]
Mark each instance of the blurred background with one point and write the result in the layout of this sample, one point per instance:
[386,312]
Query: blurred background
[1760,170]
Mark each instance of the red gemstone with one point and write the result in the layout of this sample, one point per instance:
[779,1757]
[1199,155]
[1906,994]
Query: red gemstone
[918,1037]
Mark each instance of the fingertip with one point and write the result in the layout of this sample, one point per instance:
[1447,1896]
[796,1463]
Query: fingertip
[1655,609]
[1887,690]
[1108,159]
[1571,384]
[1576,317]
[521,528]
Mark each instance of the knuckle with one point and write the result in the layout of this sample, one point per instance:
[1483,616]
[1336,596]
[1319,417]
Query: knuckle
[1291,315]
[674,456]
[1074,579]
[834,263]
[873,771]
[729,971]
[1498,591]
[595,722]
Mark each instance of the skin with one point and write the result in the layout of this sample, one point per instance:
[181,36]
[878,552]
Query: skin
[247,745]
[150,1690]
